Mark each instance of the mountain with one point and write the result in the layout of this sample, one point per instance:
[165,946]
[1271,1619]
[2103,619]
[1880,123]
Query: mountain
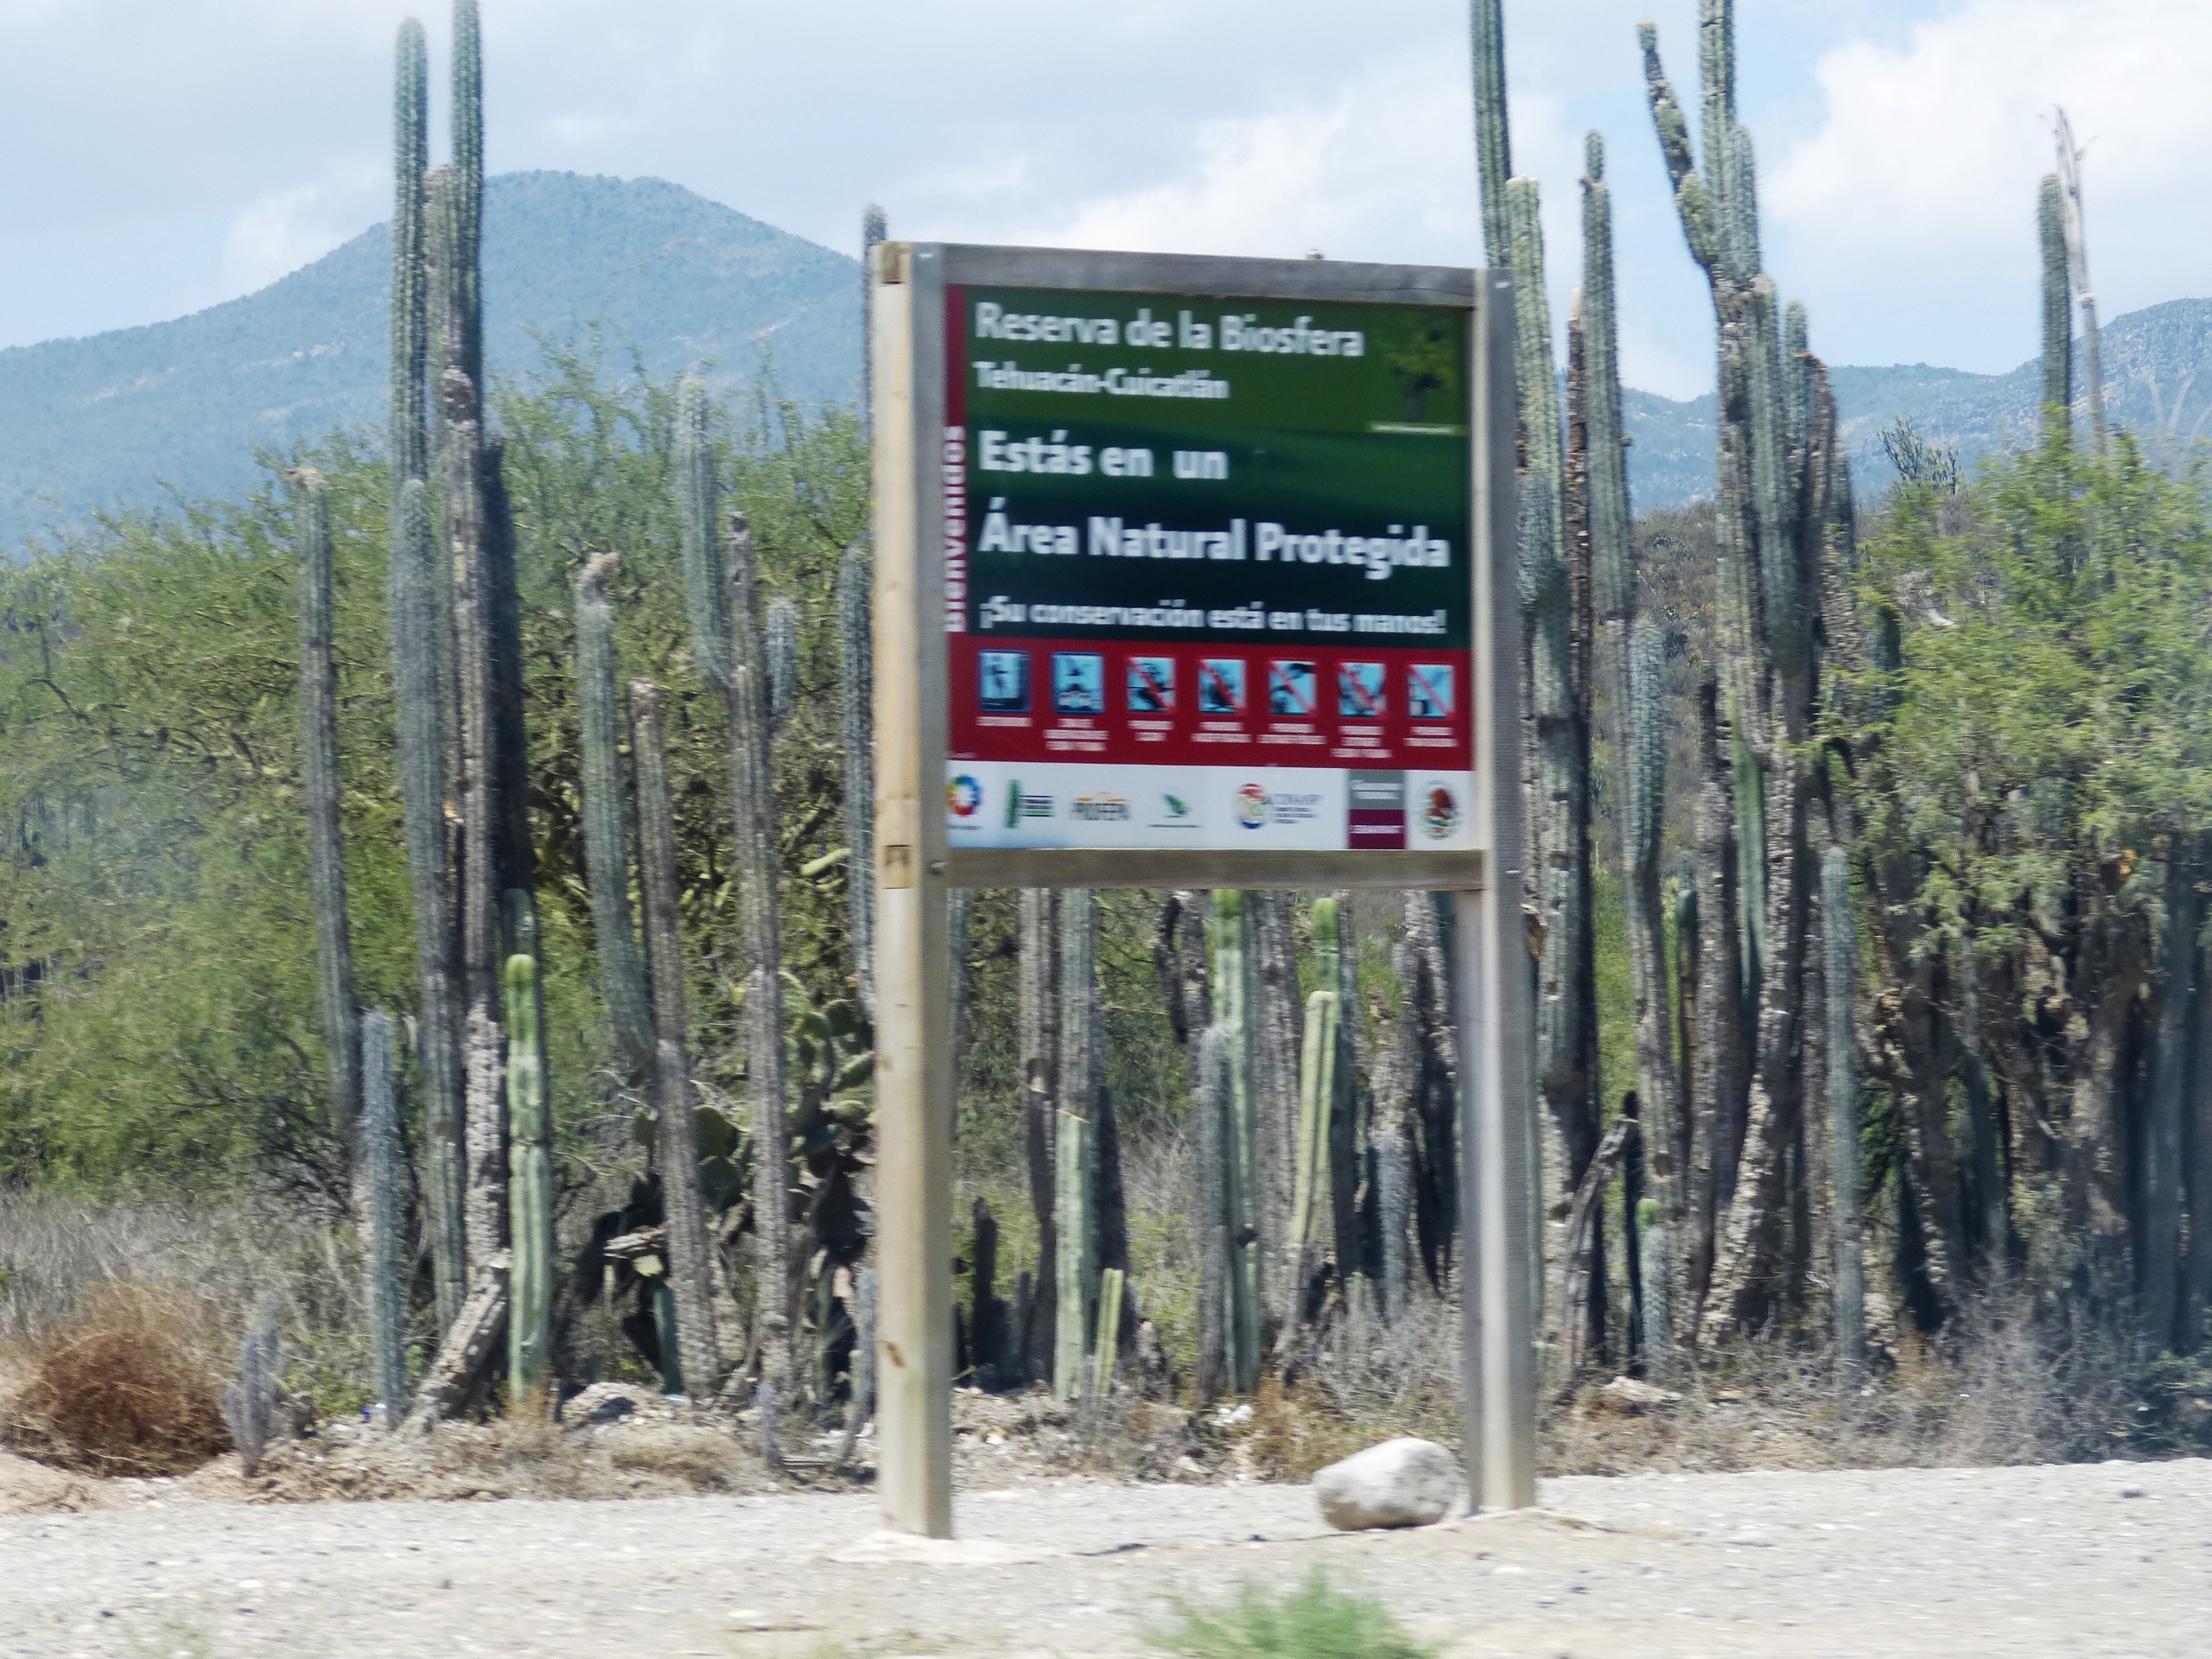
[104,422]
[2152,359]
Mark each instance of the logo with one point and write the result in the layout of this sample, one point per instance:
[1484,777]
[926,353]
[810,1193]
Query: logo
[1176,805]
[963,797]
[1100,808]
[1019,806]
[1252,806]
[1440,812]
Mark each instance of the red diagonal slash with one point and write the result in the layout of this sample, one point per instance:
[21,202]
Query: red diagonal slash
[1277,677]
[1208,672]
[1372,705]
[1158,691]
[1435,698]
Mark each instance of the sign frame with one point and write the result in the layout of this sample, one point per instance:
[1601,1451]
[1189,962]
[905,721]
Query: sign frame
[915,867]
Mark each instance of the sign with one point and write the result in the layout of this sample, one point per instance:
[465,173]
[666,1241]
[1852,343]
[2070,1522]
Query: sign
[1207,579]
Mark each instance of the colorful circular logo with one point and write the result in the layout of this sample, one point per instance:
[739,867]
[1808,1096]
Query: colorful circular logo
[964,796]
[1440,812]
[1252,806]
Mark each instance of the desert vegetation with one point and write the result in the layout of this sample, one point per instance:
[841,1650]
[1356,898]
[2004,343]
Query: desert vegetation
[435,918]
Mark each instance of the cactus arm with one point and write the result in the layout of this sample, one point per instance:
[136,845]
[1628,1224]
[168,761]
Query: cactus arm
[410,151]
[1241,1159]
[690,1267]
[468,186]
[753,806]
[1841,939]
[387,1217]
[2057,317]
[1075,1153]
[529,1317]
[422,791]
[705,596]
[856,649]
[319,794]
[1493,132]
[783,663]
[607,818]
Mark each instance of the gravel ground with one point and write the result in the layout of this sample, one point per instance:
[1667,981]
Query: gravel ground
[2078,1560]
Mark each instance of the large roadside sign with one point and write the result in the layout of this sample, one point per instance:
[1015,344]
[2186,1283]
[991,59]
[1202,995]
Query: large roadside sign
[1191,573]
[1207,572]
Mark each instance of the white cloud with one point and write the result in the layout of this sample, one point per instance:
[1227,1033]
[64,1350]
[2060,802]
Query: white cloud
[1924,175]
[276,235]
[1380,170]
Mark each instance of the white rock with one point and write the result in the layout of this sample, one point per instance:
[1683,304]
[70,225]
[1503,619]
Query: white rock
[1402,1482]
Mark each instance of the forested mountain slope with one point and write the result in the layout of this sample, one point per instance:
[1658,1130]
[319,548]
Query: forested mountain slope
[105,421]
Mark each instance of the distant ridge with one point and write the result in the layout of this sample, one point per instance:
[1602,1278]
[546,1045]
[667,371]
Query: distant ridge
[2152,360]
[103,421]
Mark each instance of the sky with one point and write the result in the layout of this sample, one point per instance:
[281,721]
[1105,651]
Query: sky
[171,154]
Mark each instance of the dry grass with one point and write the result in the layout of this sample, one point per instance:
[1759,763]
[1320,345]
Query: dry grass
[123,1390]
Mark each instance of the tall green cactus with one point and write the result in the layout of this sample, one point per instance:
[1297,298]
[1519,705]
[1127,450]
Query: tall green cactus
[2058,315]
[409,443]
[1316,1092]
[421,746]
[1075,1227]
[1493,138]
[705,596]
[380,1152]
[1561,784]
[1216,1297]
[1840,937]
[1273,1012]
[857,728]
[530,1192]
[874,229]
[1241,1159]
[606,810]
[783,663]
[319,794]
[753,801]
[691,1274]
[469,187]
[1637,691]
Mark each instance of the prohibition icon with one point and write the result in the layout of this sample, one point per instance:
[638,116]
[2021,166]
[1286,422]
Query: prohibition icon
[1220,685]
[1290,689]
[1359,691]
[1152,685]
[1429,691]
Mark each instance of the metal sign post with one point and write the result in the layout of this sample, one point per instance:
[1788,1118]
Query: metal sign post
[1193,573]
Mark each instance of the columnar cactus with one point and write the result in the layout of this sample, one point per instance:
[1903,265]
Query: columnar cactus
[380,1152]
[249,1403]
[1038,960]
[783,663]
[423,790]
[1493,139]
[318,792]
[1241,1162]
[1841,939]
[1075,1155]
[605,790]
[1217,1313]
[689,1266]
[705,596]
[468,186]
[874,229]
[753,805]
[409,443]
[1318,1055]
[857,728]
[2077,264]
[530,1116]
[1273,1010]
[1561,758]
[2058,315]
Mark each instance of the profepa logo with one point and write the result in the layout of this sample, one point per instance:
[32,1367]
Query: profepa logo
[963,797]
[1100,808]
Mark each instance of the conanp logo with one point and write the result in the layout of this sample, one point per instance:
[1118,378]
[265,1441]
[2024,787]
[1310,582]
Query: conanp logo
[1252,809]
[963,797]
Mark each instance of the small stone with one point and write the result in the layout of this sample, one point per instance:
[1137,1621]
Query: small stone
[1632,1396]
[2131,1490]
[1748,1539]
[1401,1482]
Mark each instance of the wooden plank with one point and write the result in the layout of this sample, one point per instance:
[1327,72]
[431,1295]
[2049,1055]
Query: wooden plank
[914,1083]
[1491,943]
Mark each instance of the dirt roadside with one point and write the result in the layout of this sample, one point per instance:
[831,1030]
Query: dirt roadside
[2065,1560]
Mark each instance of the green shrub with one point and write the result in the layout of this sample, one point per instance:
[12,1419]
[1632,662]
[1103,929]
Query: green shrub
[1314,1621]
